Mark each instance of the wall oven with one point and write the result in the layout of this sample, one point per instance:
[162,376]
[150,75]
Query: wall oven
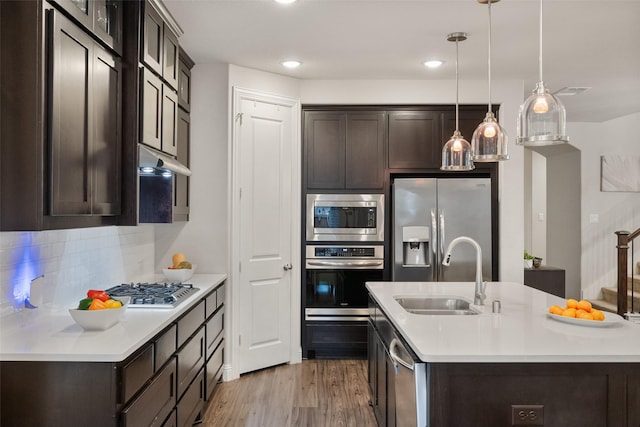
[335,298]
[345,217]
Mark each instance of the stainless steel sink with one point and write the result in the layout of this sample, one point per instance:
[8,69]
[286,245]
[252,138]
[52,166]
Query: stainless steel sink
[436,306]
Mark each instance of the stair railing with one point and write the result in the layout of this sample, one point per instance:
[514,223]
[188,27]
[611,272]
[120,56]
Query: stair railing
[624,239]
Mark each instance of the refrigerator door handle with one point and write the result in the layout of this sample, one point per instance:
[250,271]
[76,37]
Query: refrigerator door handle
[433,254]
[440,244]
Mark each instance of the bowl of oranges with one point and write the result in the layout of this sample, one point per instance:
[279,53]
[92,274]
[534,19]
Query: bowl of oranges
[581,313]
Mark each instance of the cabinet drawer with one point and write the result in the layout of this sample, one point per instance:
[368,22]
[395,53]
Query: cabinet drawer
[190,360]
[220,295]
[210,304]
[192,402]
[171,421]
[214,369]
[165,346]
[190,322]
[214,331]
[137,372]
[155,403]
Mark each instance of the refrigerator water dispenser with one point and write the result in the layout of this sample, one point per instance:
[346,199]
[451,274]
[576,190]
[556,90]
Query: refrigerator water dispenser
[415,242]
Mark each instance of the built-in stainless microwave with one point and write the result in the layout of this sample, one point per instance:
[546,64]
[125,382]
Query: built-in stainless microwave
[345,217]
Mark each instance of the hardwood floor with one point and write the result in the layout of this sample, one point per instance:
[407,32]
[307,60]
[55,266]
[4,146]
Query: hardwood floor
[314,393]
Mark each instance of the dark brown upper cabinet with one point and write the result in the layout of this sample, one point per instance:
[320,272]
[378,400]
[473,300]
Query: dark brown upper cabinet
[159,115]
[159,44]
[85,124]
[181,182]
[103,18]
[185,65]
[61,122]
[344,150]
[415,139]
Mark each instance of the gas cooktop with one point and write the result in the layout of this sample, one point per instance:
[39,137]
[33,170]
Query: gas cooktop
[153,295]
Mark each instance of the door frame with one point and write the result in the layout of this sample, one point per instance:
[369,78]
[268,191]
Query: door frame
[231,351]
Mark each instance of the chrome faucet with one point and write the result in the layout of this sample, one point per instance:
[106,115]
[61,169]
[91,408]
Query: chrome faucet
[479,295]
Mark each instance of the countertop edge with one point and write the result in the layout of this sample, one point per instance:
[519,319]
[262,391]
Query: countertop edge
[206,283]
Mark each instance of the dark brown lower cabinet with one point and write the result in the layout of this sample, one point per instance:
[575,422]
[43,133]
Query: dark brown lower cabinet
[155,403]
[163,384]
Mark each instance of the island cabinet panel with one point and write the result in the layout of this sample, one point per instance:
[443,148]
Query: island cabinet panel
[572,394]
[415,140]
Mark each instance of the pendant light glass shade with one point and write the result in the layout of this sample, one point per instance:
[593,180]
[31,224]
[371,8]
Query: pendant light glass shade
[489,140]
[542,117]
[456,153]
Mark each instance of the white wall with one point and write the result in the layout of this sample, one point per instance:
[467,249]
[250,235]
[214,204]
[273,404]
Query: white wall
[507,93]
[203,239]
[72,261]
[615,211]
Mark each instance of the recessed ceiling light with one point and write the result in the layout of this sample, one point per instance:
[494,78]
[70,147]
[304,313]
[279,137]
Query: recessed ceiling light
[285,1]
[291,64]
[435,63]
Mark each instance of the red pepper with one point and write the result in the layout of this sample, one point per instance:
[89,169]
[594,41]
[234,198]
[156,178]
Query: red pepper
[96,294]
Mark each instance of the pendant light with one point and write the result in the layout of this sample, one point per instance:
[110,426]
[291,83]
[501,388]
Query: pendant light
[542,117]
[489,141]
[456,153]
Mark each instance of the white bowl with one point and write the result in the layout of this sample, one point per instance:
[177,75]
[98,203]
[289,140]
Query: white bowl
[99,320]
[178,275]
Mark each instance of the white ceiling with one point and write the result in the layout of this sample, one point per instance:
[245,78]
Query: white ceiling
[586,43]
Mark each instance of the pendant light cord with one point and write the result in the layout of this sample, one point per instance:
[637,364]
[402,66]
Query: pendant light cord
[540,56]
[457,130]
[489,61]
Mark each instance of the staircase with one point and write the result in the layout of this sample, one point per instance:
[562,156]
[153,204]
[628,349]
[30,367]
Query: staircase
[609,299]
[628,282]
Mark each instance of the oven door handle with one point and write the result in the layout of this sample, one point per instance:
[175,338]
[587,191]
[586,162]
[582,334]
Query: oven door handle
[345,264]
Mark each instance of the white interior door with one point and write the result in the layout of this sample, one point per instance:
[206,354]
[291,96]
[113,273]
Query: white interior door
[265,138]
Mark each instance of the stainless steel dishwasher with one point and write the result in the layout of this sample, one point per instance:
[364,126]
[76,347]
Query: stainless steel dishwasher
[410,386]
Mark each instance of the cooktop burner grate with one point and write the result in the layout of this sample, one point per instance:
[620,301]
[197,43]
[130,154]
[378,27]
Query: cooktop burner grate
[153,295]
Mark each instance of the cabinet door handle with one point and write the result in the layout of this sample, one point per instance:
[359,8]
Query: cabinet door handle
[287,267]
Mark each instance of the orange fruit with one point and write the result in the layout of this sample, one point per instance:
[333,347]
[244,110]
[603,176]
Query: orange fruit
[579,312]
[597,314]
[585,316]
[569,312]
[177,258]
[584,305]
[571,303]
[556,309]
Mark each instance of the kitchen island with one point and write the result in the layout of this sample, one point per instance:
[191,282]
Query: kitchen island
[154,367]
[493,369]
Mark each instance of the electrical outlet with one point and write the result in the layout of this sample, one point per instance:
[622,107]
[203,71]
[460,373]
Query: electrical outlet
[527,415]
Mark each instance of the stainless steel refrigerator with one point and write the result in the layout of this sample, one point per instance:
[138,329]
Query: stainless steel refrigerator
[430,212]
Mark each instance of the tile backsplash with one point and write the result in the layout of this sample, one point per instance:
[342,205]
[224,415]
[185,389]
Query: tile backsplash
[72,261]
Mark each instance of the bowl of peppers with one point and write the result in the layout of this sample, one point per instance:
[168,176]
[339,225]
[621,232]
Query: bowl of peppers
[99,311]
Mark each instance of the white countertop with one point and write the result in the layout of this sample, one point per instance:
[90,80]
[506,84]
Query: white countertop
[50,334]
[522,332]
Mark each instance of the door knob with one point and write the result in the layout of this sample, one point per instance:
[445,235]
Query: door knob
[287,267]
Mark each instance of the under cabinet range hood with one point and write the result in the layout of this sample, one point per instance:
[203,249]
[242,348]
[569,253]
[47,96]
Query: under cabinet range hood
[158,161]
